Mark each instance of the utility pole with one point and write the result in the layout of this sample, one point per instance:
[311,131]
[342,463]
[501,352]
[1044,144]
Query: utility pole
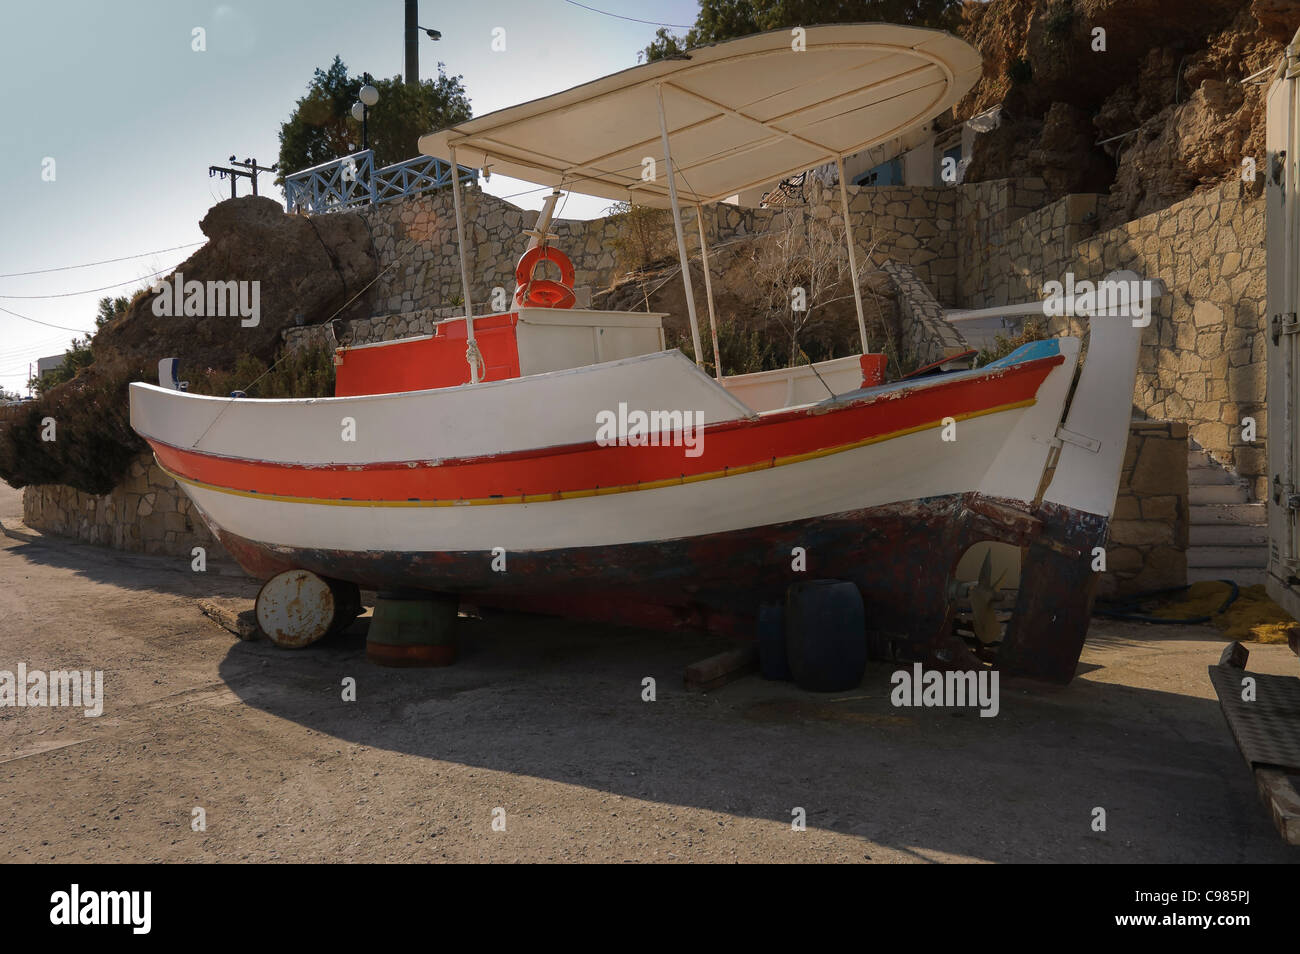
[412,43]
[251,173]
[254,169]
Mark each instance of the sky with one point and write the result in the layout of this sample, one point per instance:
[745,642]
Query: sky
[132,118]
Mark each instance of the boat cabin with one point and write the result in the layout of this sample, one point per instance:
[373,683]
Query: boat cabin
[530,341]
[513,344]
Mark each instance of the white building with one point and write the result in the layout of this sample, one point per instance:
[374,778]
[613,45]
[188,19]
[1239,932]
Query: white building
[913,159]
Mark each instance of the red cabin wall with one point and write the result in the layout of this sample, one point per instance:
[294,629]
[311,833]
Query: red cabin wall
[436,362]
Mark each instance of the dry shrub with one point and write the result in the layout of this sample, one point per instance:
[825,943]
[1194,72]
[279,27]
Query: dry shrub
[93,442]
[645,236]
[1034,329]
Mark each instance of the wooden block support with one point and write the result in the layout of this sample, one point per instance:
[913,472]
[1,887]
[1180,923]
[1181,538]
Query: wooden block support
[1234,655]
[1278,792]
[721,669]
[244,625]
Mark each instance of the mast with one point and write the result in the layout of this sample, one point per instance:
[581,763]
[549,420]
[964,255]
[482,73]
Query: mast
[853,257]
[708,292]
[677,227]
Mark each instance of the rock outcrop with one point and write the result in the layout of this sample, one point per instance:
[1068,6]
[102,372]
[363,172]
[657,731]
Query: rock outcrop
[1159,113]
[308,267]
[305,266]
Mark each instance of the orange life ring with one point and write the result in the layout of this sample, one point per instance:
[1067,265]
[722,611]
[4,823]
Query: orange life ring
[529,261]
[542,292]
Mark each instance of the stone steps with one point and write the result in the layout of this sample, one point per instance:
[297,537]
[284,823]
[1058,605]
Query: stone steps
[1216,494]
[1228,534]
[1246,514]
[1208,477]
[1244,557]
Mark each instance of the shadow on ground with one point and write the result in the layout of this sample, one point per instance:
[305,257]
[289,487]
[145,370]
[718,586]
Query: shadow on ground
[1137,734]
[136,571]
[561,701]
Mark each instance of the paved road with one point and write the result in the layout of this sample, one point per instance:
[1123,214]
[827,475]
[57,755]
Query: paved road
[544,720]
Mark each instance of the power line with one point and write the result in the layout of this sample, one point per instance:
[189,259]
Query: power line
[35,343]
[64,268]
[619,16]
[37,321]
[13,354]
[129,281]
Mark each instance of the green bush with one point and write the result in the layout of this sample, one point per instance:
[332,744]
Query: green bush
[93,442]
[305,373]
[80,353]
[743,348]
[1034,330]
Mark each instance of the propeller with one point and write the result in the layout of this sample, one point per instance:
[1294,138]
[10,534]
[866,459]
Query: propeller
[983,594]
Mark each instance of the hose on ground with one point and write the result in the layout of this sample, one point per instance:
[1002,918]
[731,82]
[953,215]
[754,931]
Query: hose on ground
[1124,609]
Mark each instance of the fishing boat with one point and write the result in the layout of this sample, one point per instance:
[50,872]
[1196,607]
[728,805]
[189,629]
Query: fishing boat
[556,459]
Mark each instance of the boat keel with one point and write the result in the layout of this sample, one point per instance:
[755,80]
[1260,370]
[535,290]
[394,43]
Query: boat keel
[902,557]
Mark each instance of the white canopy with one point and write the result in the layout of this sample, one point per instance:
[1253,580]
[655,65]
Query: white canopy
[740,114]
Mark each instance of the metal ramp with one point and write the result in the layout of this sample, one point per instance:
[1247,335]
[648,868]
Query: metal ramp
[1267,731]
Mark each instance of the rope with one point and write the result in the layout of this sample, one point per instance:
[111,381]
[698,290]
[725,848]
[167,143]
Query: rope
[277,361]
[474,358]
[1124,607]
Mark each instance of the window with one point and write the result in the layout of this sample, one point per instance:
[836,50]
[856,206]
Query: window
[886,174]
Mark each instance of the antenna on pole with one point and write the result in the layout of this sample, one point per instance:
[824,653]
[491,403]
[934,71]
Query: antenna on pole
[252,169]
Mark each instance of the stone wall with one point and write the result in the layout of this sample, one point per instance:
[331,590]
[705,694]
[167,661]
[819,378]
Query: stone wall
[415,241]
[1147,547]
[420,281]
[990,248]
[1202,359]
[927,336]
[147,513]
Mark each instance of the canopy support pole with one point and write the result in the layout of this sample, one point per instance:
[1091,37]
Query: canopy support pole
[472,354]
[677,226]
[708,292]
[853,255]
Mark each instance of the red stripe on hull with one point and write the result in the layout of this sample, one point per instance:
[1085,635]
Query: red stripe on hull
[733,444]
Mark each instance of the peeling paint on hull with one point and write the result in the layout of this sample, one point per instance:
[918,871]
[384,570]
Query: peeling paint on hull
[901,556]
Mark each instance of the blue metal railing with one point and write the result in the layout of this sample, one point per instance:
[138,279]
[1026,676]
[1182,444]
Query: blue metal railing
[352,181]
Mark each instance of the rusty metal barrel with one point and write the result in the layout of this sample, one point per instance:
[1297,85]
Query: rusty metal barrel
[413,629]
[296,608]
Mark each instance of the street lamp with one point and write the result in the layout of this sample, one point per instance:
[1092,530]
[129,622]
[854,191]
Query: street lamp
[367,97]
